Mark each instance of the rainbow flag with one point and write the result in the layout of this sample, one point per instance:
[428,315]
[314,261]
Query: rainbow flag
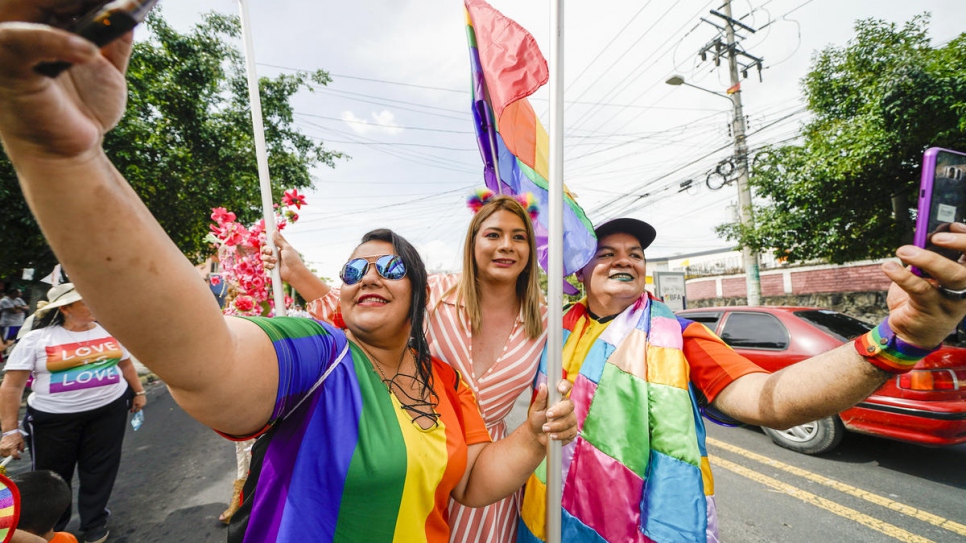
[9,508]
[507,66]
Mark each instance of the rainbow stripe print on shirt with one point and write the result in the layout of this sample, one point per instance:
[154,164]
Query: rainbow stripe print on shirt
[87,364]
[343,462]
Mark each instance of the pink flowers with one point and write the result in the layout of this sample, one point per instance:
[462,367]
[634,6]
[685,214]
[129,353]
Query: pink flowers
[239,252]
[245,305]
[221,215]
[293,198]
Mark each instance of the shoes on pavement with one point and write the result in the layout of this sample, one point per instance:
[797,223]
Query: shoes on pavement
[97,535]
[234,503]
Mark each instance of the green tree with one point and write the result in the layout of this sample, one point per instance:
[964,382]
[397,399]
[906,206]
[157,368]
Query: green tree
[848,191]
[186,143]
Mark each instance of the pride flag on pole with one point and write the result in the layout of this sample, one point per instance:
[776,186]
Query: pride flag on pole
[507,67]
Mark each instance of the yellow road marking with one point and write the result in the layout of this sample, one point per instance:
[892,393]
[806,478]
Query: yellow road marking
[818,501]
[919,514]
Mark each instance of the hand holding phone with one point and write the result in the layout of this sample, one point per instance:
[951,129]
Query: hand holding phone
[942,198]
[103,25]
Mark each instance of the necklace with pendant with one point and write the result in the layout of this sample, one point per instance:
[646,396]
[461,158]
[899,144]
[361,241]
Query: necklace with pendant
[400,384]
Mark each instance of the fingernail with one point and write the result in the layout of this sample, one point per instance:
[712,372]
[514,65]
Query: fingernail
[908,251]
[553,436]
[82,43]
[549,414]
[546,427]
[891,265]
[943,237]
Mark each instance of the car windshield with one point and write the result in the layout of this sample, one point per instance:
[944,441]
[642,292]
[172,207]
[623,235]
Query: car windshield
[837,324]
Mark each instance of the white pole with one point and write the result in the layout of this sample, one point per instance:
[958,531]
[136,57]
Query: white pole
[261,154]
[555,260]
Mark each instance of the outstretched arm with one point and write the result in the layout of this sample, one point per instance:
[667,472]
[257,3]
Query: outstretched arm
[293,271]
[833,381]
[130,273]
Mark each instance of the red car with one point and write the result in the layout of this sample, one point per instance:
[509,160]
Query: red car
[925,406]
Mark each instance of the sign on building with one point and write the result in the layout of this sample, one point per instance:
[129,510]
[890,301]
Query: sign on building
[669,286]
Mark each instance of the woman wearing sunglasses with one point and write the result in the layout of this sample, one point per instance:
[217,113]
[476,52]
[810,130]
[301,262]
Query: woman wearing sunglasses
[365,436]
[488,323]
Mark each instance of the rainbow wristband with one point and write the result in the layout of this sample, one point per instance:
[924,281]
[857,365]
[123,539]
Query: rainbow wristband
[884,350]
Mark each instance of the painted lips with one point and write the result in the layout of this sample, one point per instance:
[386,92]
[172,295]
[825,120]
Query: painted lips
[623,277]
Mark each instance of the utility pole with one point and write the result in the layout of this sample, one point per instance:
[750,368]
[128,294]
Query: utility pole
[731,50]
[752,278]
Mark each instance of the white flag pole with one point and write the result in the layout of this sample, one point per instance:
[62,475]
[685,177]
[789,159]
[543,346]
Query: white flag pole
[555,261]
[261,154]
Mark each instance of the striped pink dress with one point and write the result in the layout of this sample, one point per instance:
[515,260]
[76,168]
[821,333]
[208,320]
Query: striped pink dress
[496,390]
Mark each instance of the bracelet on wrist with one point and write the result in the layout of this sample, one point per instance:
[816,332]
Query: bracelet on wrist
[142,393]
[11,432]
[886,351]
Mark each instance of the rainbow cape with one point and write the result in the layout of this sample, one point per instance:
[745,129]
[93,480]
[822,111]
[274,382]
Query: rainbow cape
[638,472]
[507,66]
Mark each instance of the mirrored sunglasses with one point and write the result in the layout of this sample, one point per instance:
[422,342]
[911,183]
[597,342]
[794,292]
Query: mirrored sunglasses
[388,266]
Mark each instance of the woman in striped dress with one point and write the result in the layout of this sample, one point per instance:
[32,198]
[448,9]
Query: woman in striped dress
[488,322]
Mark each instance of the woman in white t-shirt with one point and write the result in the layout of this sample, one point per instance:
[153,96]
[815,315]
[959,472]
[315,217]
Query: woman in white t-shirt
[84,385]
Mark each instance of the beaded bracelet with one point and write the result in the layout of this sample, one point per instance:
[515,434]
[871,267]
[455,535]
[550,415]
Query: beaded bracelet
[884,350]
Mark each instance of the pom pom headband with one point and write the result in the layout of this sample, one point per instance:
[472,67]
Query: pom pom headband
[481,197]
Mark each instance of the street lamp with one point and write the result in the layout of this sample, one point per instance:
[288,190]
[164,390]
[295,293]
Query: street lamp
[677,80]
[752,278]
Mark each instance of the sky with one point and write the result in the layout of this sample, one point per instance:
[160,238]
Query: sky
[398,105]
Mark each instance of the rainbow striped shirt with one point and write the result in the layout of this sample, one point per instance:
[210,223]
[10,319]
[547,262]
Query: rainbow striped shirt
[343,461]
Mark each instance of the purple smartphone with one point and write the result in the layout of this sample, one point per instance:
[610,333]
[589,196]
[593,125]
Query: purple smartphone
[942,198]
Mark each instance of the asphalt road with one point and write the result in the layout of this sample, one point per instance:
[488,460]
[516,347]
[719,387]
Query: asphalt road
[868,490]
[176,476]
[175,479]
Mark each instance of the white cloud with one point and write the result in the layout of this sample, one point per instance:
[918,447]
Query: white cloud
[382,122]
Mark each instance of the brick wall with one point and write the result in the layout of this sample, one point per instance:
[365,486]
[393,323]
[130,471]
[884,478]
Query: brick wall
[731,287]
[861,277]
[857,289]
[771,285]
[702,290]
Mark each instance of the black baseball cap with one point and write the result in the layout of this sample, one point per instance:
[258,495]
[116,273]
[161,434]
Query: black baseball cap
[644,232]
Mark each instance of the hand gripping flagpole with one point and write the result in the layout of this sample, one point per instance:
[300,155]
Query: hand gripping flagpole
[261,154]
[555,262]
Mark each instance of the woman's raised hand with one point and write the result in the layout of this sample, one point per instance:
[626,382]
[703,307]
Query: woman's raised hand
[291,262]
[292,270]
[66,116]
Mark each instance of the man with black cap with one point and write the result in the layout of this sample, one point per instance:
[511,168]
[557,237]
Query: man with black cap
[638,470]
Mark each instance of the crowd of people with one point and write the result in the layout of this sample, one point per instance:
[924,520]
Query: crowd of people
[382,417]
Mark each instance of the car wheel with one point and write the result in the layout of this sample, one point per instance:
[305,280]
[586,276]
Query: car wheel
[813,437]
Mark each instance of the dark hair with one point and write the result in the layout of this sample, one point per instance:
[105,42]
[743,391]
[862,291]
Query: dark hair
[53,317]
[416,272]
[44,496]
